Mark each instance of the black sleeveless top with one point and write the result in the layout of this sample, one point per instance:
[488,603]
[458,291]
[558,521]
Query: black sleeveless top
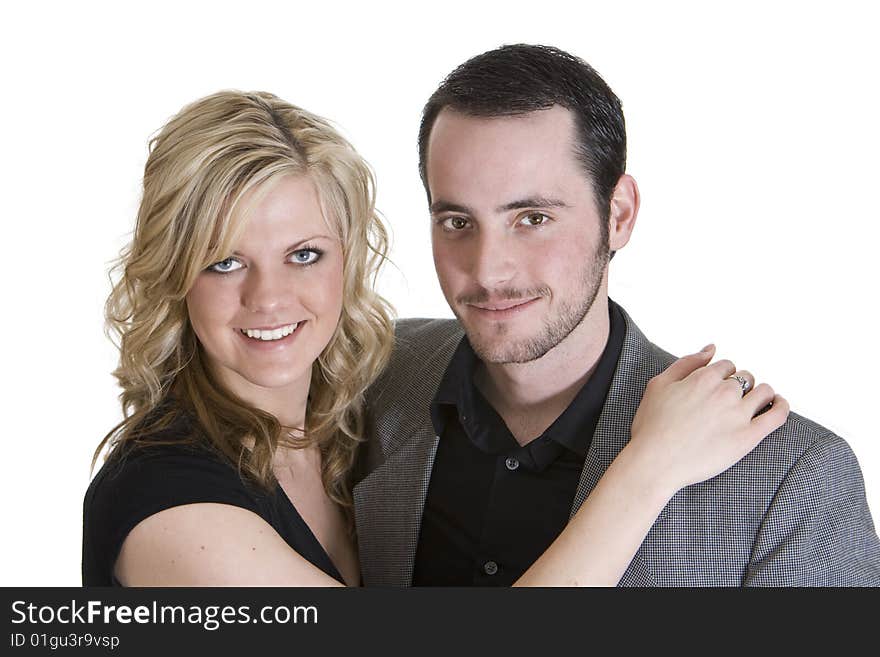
[140,481]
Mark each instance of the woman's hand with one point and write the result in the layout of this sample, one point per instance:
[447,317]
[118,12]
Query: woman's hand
[694,421]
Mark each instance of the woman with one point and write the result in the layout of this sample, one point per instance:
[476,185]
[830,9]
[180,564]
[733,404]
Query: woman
[249,332]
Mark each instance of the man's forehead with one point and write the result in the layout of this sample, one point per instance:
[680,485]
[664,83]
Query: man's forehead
[492,149]
[553,119]
[526,160]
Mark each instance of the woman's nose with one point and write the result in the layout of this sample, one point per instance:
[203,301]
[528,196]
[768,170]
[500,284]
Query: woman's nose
[265,291]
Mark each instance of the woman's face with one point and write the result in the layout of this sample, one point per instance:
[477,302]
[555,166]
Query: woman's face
[266,313]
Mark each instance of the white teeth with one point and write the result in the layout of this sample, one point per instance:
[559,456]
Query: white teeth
[272,334]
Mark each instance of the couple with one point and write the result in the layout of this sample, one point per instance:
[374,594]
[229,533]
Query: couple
[280,429]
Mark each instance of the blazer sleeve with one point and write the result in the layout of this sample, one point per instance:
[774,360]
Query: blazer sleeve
[818,530]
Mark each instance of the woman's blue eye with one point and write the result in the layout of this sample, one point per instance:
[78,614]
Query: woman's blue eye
[305,256]
[225,266]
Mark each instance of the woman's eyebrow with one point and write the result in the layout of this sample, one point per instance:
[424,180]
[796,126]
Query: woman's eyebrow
[299,243]
[319,236]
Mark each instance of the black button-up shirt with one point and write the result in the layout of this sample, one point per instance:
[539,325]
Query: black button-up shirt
[494,506]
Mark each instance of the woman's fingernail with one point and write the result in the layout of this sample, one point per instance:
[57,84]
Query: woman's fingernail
[708,347]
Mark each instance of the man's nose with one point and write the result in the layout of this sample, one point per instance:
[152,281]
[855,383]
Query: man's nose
[493,263]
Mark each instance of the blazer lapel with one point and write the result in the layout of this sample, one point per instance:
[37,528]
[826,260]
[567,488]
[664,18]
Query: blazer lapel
[639,362]
[390,499]
[388,533]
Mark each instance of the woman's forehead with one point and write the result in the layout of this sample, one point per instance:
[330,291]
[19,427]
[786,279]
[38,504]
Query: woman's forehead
[280,212]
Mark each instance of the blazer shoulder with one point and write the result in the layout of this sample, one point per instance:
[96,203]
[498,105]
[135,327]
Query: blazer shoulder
[418,340]
[819,448]
[416,332]
[800,434]
[422,350]
[817,529]
[800,445]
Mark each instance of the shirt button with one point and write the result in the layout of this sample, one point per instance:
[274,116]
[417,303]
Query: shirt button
[511,463]
[490,567]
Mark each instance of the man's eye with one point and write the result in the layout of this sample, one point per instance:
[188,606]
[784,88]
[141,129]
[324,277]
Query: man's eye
[454,223]
[305,256]
[225,266]
[534,219]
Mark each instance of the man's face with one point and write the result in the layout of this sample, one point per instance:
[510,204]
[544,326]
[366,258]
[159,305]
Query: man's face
[518,245]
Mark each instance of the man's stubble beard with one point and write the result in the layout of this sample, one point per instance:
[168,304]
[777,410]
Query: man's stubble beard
[556,328]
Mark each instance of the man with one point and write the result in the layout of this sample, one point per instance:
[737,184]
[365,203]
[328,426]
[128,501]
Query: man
[489,432]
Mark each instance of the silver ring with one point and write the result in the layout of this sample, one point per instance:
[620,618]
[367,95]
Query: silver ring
[743,383]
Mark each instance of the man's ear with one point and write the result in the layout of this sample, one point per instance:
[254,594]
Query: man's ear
[624,209]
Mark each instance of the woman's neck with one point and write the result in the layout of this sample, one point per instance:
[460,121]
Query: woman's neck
[288,403]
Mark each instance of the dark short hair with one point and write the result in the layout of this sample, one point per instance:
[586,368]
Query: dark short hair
[521,78]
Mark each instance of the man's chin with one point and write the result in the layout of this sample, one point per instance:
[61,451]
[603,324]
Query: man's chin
[503,348]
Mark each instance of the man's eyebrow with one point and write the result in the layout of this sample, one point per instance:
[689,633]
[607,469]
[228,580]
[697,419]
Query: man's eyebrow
[532,202]
[445,206]
[438,207]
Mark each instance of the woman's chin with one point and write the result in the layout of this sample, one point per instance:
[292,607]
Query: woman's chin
[268,380]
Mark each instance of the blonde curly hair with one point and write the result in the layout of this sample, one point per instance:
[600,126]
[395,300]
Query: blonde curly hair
[201,163]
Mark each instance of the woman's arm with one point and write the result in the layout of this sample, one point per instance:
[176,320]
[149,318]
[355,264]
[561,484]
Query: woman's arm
[210,544]
[692,424]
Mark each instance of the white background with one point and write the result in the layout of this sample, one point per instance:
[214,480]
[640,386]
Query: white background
[753,134]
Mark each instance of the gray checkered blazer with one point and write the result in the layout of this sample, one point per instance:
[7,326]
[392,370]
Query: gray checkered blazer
[791,513]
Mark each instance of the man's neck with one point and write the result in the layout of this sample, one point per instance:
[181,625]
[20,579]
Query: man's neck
[530,396]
